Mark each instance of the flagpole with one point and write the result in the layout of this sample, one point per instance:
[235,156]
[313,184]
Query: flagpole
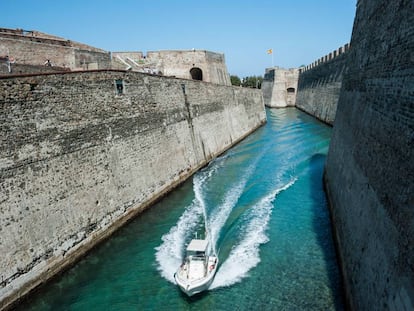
[270,51]
[272,59]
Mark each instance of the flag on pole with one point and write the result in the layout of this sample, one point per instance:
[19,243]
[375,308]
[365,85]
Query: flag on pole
[270,51]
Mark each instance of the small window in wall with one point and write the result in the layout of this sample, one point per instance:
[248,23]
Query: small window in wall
[196,74]
[119,86]
[291,90]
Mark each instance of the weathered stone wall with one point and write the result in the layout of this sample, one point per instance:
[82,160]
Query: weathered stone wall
[35,48]
[129,60]
[89,60]
[19,69]
[78,157]
[217,69]
[370,166]
[279,87]
[320,84]
[176,63]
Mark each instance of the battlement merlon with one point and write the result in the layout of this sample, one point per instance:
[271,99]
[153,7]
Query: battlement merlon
[328,57]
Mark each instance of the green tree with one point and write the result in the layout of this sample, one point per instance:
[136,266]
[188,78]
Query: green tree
[235,80]
[253,82]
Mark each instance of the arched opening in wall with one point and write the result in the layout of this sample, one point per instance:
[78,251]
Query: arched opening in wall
[290,98]
[196,74]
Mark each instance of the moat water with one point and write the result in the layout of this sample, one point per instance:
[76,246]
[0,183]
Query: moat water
[264,206]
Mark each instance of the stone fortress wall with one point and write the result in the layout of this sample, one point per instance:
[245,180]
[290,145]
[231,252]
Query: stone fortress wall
[36,48]
[83,152]
[24,51]
[192,64]
[365,90]
[314,89]
[320,84]
[369,174]
[279,87]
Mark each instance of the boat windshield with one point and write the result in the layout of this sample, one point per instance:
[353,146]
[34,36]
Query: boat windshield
[196,254]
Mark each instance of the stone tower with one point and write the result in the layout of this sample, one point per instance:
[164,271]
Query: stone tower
[279,87]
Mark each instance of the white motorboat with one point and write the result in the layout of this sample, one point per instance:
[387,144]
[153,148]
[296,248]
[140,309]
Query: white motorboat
[197,271]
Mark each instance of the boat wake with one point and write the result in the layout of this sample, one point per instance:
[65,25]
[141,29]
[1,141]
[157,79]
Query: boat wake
[245,254]
[220,214]
[170,253]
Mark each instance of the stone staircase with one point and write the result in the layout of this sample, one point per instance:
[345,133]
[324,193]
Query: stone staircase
[126,62]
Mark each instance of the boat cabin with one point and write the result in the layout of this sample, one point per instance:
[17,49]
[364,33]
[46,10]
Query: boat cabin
[197,248]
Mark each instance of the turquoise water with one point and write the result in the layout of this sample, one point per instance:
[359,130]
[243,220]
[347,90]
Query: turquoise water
[264,206]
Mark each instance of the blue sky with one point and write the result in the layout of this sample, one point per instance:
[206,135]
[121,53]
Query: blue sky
[298,31]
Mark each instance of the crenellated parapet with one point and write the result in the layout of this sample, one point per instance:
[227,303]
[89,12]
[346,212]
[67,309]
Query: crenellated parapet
[320,84]
[327,58]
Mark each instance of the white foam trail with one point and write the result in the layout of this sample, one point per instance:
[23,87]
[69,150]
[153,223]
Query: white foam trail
[222,212]
[198,182]
[215,222]
[169,253]
[245,255]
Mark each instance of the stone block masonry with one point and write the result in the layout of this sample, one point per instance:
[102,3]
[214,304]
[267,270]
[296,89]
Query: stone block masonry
[81,153]
[320,84]
[23,51]
[279,87]
[191,64]
[35,48]
[369,173]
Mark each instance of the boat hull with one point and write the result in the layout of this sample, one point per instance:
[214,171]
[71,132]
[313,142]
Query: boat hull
[194,286]
[192,289]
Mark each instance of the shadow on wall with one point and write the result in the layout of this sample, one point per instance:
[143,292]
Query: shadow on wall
[323,228]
